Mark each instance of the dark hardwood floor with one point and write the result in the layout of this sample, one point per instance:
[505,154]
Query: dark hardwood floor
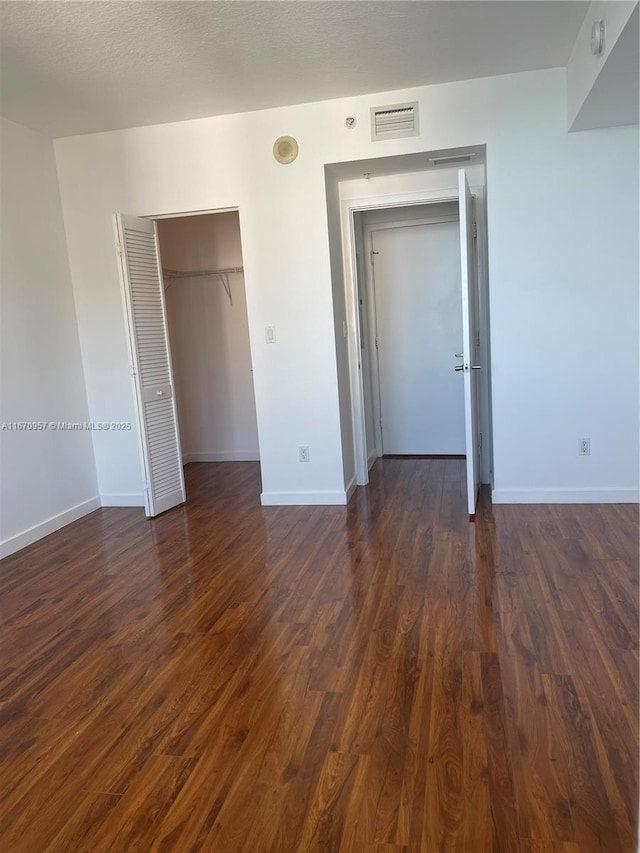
[376,678]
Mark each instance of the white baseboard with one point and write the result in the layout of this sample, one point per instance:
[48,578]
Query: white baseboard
[371,459]
[126,499]
[303,498]
[44,528]
[222,456]
[565,496]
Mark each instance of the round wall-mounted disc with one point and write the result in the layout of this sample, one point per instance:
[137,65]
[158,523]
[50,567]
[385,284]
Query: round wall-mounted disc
[285,149]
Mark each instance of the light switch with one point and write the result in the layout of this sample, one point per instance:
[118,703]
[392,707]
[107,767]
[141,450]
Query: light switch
[270,334]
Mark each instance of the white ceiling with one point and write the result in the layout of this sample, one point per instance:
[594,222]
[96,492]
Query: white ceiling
[77,67]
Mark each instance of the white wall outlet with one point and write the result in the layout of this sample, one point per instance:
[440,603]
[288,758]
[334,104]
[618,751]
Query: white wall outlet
[584,447]
[303,453]
[270,334]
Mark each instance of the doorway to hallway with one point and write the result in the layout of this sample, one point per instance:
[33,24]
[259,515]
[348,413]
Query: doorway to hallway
[414,300]
[402,370]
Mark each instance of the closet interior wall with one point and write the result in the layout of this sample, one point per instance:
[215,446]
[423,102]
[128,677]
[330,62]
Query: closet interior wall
[209,338]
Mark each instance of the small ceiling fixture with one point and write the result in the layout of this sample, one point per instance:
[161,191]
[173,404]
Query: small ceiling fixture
[597,38]
[285,149]
[350,122]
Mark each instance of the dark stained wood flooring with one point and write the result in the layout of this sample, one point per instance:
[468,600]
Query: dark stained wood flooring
[378,678]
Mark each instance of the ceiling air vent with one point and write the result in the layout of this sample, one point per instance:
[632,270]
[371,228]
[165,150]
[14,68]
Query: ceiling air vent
[451,159]
[394,121]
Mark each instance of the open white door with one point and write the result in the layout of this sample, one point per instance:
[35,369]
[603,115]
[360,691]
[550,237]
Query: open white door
[150,362]
[470,366]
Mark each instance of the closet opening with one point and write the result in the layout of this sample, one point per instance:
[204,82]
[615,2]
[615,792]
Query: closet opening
[206,310]
[185,309]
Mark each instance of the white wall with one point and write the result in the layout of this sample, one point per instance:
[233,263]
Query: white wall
[563,263]
[408,214]
[602,89]
[48,476]
[209,337]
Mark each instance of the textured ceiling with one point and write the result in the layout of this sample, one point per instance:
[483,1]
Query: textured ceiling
[77,67]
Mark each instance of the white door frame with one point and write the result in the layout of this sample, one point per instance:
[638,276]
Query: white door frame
[347,209]
[372,313]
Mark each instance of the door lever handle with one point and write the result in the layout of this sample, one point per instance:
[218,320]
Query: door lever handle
[476,367]
[459,368]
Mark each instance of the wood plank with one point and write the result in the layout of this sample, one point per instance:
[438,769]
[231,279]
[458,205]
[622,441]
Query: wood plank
[381,677]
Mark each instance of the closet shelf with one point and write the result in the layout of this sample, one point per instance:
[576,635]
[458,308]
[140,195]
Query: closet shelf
[196,273]
[222,273]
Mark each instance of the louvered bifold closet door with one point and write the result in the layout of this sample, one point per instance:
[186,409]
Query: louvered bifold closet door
[143,298]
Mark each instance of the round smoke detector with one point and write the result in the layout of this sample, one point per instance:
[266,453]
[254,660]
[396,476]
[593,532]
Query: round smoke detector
[285,149]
